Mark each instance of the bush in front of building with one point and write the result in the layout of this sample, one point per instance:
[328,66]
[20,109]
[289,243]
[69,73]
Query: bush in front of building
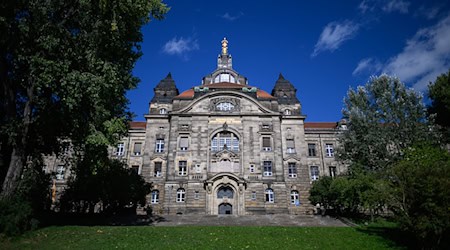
[109,189]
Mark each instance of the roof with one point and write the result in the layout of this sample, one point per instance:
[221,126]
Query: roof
[189,94]
[320,125]
[138,125]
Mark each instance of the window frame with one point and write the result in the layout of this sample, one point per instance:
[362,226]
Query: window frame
[159,146]
[295,197]
[137,153]
[120,149]
[154,197]
[329,150]
[60,172]
[270,195]
[312,150]
[156,173]
[182,168]
[267,168]
[264,146]
[181,195]
[292,170]
[316,175]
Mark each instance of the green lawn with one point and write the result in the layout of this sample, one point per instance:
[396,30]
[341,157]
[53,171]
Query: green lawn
[197,237]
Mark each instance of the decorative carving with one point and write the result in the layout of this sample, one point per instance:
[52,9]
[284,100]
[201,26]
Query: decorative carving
[225,126]
[160,136]
[234,101]
[266,128]
[184,127]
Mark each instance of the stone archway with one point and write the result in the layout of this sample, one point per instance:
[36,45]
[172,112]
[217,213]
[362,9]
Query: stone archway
[225,193]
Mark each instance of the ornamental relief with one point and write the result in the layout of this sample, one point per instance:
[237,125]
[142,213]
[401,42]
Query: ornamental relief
[225,104]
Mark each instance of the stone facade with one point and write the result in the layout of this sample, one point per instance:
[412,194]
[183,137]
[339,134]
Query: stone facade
[225,147]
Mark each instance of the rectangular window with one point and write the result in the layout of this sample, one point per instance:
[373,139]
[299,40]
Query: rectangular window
[137,148]
[292,169]
[332,171]
[182,168]
[158,169]
[253,197]
[267,146]
[184,143]
[311,149]
[60,171]
[135,169]
[159,146]
[120,149]
[329,150]
[252,168]
[155,197]
[267,165]
[290,146]
[196,195]
[314,173]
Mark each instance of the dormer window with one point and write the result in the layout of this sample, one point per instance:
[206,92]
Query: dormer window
[287,112]
[225,106]
[163,111]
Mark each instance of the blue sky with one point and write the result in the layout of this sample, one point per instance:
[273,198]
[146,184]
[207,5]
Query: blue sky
[322,47]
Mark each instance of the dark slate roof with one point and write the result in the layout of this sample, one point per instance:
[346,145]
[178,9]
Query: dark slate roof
[167,83]
[283,84]
[165,91]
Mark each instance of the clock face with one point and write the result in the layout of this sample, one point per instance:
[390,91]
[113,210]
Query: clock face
[225,106]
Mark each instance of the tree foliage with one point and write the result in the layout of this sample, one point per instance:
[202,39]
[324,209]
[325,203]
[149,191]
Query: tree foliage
[111,188]
[64,69]
[350,194]
[384,118]
[439,92]
[420,193]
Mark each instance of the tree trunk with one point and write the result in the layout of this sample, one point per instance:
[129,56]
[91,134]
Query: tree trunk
[18,154]
[14,172]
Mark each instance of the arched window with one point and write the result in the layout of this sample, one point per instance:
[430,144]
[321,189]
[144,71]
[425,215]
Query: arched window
[224,77]
[225,140]
[181,195]
[163,111]
[155,196]
[269,195]
[295,198]
[287,112]
[225,192]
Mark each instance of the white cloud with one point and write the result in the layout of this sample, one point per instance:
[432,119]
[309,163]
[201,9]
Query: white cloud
[425,56]
[396,5]
[366,5]
[230,17]
[370,65]
[180,46]
[333,35]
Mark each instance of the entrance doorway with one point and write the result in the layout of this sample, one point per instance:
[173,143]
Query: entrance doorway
[225,208]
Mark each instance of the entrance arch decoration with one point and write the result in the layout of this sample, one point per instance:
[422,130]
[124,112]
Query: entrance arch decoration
[226,184]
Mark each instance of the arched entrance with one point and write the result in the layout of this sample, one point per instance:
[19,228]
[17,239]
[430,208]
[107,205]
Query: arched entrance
[225,194]
[225,208]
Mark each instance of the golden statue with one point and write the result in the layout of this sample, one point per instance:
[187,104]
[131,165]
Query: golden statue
[224,46]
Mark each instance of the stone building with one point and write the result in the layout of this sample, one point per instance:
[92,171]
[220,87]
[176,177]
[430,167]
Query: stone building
[225,147]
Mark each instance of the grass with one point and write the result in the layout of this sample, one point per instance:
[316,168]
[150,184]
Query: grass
[198,237]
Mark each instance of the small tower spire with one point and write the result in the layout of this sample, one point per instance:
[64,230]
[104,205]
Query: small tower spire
[224,46]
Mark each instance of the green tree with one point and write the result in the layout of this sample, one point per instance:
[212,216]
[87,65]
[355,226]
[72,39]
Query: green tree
[113,186]
[64,69]
[439,92]
[384,118]
[420,193]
